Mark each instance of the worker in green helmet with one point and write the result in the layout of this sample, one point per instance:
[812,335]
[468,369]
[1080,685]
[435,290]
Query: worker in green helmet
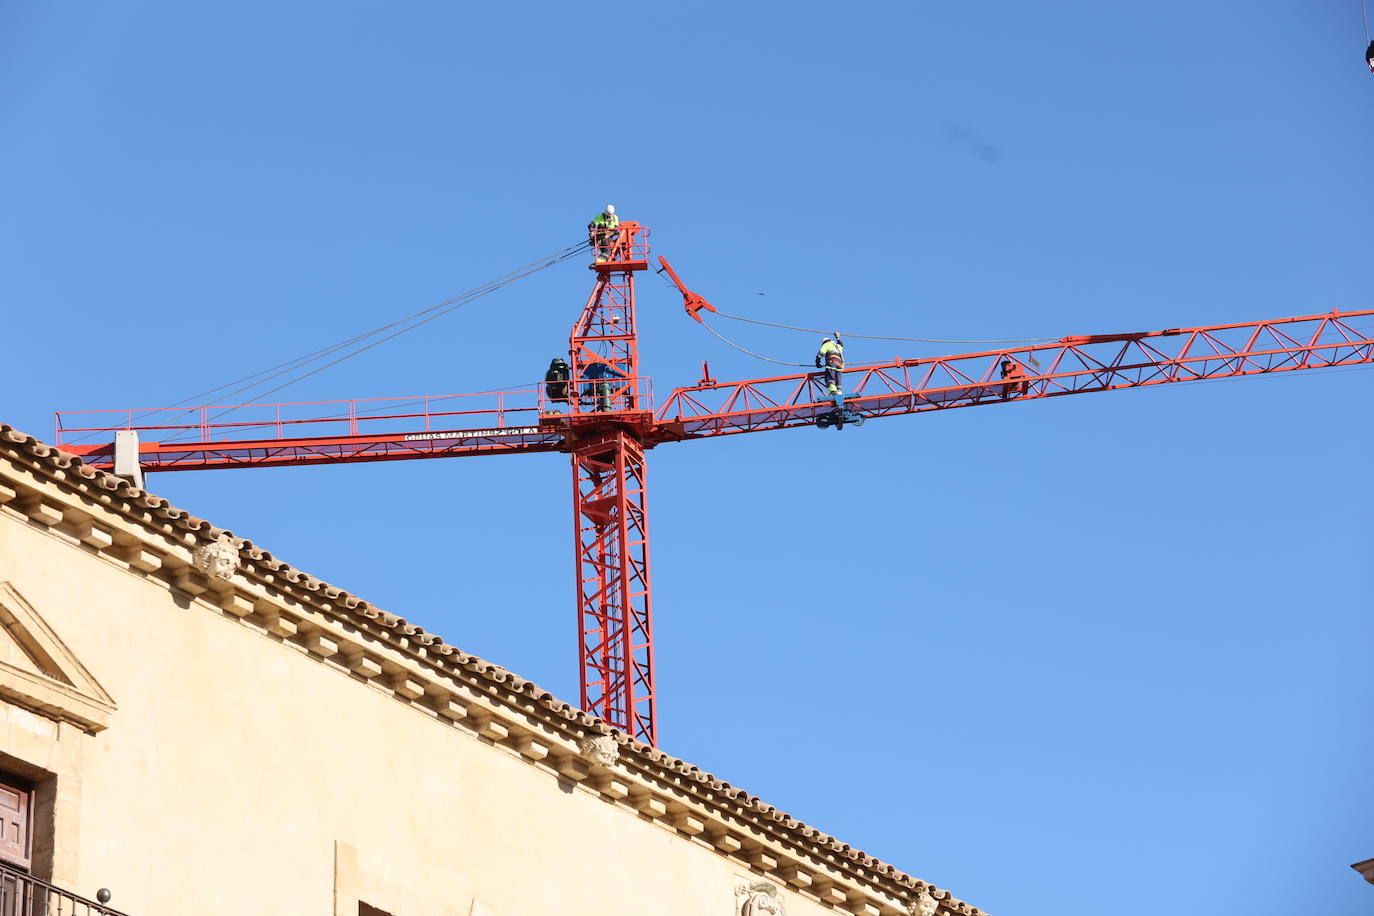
[830,357]
[602,230]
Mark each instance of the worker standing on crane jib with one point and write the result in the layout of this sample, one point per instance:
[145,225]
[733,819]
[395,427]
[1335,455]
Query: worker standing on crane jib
[602,229]
[830,357]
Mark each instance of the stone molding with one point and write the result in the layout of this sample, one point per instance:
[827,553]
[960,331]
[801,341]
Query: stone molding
[142,534]
[61,689]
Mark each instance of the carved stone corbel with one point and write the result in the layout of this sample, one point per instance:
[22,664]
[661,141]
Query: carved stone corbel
[218,559]
[599,749]
[925,905]
[758,898]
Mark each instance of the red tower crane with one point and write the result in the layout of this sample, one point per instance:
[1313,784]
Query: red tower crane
[608,422]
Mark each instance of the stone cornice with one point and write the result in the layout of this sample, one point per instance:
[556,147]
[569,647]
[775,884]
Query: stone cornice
[143,534]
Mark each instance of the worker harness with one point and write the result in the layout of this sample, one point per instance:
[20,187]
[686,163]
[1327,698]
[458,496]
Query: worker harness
[831,354]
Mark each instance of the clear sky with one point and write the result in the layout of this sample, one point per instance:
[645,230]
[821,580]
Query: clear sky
[1102,654]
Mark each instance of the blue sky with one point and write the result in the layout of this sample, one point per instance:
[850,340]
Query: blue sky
[1105,653]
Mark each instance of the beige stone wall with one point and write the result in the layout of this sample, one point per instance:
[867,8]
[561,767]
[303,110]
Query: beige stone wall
[241,774]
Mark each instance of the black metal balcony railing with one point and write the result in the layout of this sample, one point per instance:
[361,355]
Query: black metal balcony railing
[24,895]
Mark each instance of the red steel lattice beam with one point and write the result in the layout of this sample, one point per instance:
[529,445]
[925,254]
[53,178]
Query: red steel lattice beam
[1072,365]
[606,425]
[615,622]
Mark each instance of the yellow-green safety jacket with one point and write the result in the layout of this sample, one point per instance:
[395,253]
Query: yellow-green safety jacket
[831,355]
[604,221]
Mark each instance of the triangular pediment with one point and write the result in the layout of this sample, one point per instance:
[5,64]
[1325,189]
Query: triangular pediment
[39,672]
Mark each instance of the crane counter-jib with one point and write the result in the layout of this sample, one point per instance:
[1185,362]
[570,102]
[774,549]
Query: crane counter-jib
[172,456]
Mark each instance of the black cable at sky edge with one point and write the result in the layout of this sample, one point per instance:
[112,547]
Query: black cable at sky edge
[473,293]
[282,368]
[455,305]
[789,327]
[766,359]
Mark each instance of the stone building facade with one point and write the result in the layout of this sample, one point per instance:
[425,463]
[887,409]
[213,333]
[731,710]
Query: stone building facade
[197,727]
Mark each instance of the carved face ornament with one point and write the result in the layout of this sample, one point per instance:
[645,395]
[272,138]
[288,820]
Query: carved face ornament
[925,905]
[600,749]
[762,900]
[219,558]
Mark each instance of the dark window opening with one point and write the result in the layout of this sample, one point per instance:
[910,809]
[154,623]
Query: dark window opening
[367,909]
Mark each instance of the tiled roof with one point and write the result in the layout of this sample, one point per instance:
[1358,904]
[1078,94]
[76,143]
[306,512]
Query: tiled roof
[141,505]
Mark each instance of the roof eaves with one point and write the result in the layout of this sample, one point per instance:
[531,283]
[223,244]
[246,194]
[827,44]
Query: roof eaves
[149,509]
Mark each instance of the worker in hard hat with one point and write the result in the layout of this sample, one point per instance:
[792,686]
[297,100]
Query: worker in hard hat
[830,357]
[1369,56]
[602,230]
[556,384]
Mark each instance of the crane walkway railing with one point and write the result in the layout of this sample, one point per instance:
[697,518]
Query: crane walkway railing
[304,419]
[522,419]
[621,247]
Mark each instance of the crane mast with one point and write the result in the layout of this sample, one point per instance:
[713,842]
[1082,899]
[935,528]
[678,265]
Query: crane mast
[606,422]
[606,437]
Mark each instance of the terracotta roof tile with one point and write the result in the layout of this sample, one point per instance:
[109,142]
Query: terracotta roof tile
[138,499]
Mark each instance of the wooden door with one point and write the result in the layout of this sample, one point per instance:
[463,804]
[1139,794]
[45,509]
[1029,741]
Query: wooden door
[16,802]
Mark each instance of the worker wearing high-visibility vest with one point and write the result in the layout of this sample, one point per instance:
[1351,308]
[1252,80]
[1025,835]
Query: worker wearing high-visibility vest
[603,233]
[830,357]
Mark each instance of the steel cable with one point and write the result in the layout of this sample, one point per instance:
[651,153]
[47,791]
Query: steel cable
[403,402]
[448,305]
[792,327]
[766,359]
[266,375]
[475,293]
[445,308]
[789,327]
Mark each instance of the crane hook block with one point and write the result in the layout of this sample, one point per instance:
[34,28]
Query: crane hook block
[690,300]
